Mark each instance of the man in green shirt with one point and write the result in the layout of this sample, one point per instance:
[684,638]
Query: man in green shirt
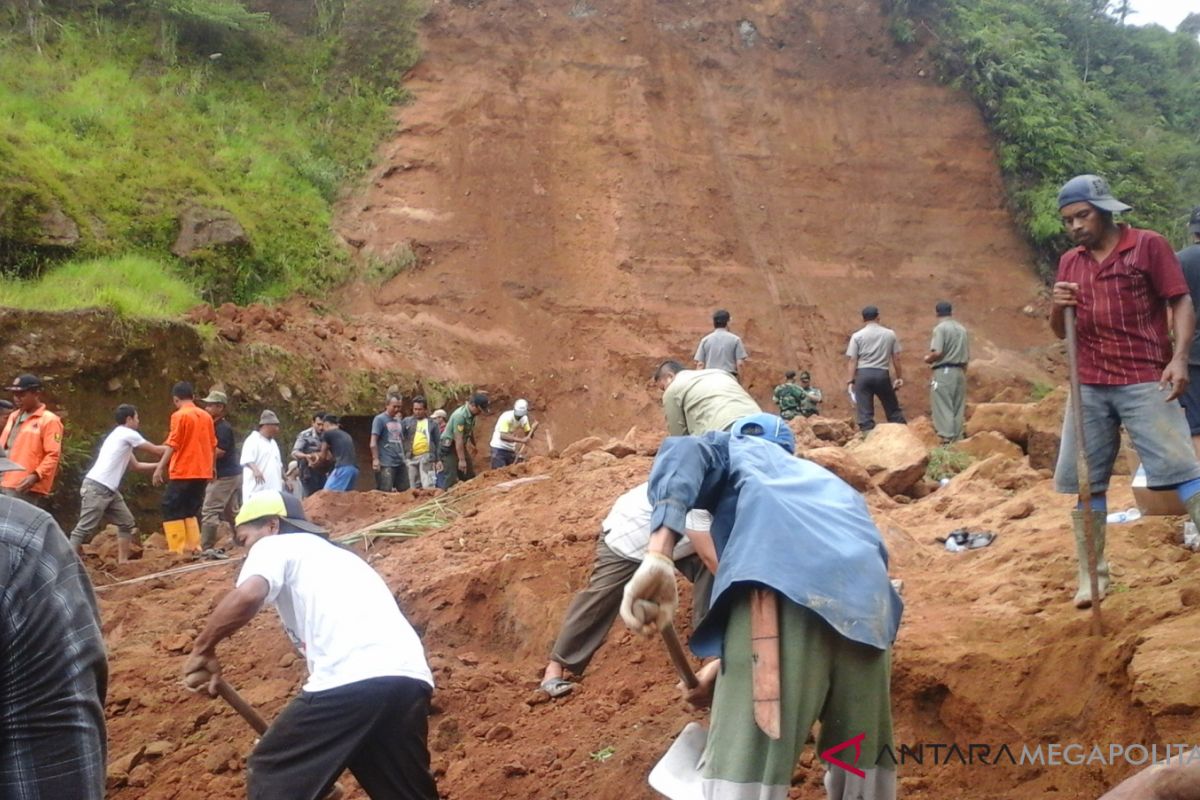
[460,429]
[810,403]
[949,352]
[788,396]
[696,401]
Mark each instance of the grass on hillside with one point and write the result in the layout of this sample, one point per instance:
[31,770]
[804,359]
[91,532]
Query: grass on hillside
[102,127]
[130,286]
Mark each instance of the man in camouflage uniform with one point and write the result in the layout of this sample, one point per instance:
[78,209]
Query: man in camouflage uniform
[810,404]
[789,396]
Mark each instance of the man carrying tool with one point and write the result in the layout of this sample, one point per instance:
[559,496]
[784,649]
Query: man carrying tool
[52,742]
[796,541]
[460,430]
[228,468]
[365,705]
[696,401]
[388,446]
[1189,259]
[100,495]
[787,396]
[949,352]
[871,357]
[1121,281]
[262,465]
[721,349]
[505,437]
[32,438]
[187,463]
[625,534]
[421,446]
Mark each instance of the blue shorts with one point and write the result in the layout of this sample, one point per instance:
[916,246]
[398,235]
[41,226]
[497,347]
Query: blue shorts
[1191,399]
[1158,430]
[341,479]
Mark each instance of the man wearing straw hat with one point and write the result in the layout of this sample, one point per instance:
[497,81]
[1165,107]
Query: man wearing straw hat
[1121,281]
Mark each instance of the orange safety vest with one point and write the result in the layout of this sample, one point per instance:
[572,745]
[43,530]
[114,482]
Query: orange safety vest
[37,447]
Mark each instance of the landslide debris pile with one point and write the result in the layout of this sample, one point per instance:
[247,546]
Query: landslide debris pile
[990,650]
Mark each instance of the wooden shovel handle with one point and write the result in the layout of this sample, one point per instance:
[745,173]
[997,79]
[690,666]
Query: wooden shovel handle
[764,649]
[230,695]
[679,658]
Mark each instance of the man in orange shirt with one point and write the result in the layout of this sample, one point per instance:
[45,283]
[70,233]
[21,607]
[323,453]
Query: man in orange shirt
[32,437]
[188,464]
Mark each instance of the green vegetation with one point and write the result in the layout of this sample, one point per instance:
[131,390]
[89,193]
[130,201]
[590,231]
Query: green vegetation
[121,114]
[1067,88]
[946,462]
[130,286]
[1040,390]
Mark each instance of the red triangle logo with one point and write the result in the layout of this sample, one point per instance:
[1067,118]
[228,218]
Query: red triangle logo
[856,743]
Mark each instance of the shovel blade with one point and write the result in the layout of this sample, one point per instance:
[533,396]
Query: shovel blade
[677,774]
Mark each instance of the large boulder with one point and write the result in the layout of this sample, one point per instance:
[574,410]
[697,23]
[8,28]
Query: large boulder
[988,443]
[207,229]
[841,463]
[805,438]
[583,446]
[893,456]
[1007,419]
[827,429]
[1034,426]
[56,229]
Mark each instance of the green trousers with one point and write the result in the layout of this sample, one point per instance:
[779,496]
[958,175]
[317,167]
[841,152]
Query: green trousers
[948,400]
[823,677]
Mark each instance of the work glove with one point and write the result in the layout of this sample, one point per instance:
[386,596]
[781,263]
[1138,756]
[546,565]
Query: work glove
[650,595]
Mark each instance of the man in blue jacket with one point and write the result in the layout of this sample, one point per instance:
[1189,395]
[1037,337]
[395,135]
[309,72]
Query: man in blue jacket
[792,528]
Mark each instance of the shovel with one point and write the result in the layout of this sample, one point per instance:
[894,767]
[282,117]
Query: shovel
[677,774]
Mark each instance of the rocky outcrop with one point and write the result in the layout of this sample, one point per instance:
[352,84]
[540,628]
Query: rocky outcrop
[207,229]
[988,443]
[55,229]
[893,456]
[841,463]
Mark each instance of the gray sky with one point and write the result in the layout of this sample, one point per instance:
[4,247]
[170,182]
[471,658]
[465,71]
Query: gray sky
[1168,13]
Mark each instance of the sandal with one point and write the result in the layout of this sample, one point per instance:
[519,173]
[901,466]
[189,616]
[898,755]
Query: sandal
[557,687]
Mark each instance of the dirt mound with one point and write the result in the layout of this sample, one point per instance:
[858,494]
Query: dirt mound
[990,650]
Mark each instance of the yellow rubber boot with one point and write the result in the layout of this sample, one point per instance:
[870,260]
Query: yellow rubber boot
[192,542]
[176,532]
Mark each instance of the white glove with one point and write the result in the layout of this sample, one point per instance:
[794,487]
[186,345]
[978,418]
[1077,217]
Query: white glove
[650,596]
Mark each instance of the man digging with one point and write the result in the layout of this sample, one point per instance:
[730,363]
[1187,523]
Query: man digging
[1121,282]
[802,585]
[365,705]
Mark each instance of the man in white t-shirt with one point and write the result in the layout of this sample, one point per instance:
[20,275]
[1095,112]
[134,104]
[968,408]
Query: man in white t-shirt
[619,551]
[100,494]
[262,464]
[512,428]
[365,705]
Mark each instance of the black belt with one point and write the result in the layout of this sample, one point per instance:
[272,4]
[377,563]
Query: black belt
[956,366]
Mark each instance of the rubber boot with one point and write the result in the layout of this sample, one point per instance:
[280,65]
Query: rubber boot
[1083,597]
[176,532]
[1193,509]
[208,536]
[124,549]
[192,541]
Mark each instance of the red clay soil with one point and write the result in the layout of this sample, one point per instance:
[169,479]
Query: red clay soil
[990,650]
[584,183]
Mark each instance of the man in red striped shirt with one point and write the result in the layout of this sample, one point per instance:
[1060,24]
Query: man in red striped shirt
[1121,281]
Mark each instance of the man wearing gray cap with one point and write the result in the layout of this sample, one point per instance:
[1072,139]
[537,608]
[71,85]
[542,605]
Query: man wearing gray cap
[262,465]
[1189,259]
[871,357]
[949,352]
[1121,281]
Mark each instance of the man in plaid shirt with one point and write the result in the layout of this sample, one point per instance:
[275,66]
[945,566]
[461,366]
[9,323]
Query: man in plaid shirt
[1122,281]
[53,672]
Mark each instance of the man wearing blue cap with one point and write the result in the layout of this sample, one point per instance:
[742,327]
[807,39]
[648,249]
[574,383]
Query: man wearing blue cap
[1121,281]
[796,533]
